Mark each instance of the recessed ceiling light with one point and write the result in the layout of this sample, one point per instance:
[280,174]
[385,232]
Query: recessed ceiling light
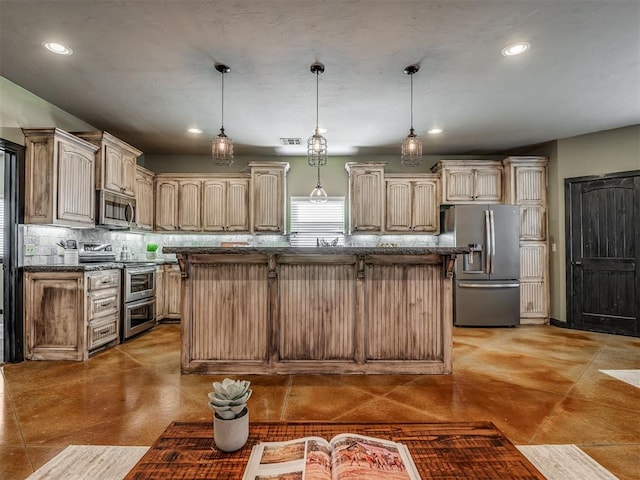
[194,130]
[434,131]
[57,48]
[515,49]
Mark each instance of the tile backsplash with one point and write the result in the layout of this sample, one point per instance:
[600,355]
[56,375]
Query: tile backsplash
[42,241]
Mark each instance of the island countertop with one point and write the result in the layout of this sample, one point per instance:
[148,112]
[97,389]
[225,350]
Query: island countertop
[404,250]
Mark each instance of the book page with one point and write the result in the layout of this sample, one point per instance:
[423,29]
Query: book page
[357,457]
[301,459]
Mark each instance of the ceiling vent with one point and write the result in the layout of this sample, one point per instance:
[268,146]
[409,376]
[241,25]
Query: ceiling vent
[290,141]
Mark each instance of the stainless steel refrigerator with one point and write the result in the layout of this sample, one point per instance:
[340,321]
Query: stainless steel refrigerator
[486,281]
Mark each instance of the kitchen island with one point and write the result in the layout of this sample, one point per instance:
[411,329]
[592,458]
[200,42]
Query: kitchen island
[333,310]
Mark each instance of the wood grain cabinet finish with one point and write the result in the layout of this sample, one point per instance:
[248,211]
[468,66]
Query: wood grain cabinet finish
[470,181]
[166,208]
[161,310]
[189,205]
[172,291]
[115,163]
[225,205]
[69,314]
[144,199]
[268,197]
[366,197]
[412,203]
[526,186]
[59,179]
[315,314]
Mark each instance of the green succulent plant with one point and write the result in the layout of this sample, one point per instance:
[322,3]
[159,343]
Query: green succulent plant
[152,247]
[229,398]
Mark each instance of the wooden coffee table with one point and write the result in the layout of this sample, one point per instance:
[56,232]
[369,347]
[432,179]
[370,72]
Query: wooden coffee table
[451,450]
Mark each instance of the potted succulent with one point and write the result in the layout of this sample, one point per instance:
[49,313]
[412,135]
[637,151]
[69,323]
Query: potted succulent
[230,413]
[151,250]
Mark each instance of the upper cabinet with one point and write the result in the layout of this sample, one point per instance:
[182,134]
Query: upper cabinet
[470,181]
[189,205]
[144,198]
[225,205]
[166,211]
[116,163]
[59,179]
[268,197]
[412,203]
[366,197]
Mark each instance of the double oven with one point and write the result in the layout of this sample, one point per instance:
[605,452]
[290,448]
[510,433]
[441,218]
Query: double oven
[138,309]
[139,297]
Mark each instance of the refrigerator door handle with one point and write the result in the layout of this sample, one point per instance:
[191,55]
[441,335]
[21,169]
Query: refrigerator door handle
[484,285]
[487,230]
[493,242]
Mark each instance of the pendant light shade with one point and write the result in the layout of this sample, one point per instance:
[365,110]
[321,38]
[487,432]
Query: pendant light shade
[318,195]
[412,145]
[317,144]
[222,146]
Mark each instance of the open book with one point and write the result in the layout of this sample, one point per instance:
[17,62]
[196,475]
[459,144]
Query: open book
[345,457]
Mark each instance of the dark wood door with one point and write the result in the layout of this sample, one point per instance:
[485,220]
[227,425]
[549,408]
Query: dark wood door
[603,253]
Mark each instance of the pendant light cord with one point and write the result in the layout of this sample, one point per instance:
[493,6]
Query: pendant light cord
[317,101]
[318,177]
[411,102]
[222,105]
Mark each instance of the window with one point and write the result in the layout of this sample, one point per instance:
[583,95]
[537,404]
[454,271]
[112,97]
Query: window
[1,226]
[313,223]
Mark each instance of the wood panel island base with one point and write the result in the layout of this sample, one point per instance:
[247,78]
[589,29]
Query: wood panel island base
[336,310]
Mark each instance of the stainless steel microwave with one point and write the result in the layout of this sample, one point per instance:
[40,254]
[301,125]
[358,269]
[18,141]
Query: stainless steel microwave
[115,211]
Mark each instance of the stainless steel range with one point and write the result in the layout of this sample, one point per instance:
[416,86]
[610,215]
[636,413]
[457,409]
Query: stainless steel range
[138,288]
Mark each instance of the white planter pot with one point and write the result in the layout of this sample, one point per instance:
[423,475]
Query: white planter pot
[231,435]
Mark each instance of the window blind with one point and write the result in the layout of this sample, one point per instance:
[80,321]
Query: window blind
[317,222]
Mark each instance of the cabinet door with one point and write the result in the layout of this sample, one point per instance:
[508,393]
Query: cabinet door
[425,208]
[488,185]
[533,222]
[113,169]
[237,206]
[144,200]
[160,295]
[399,206]
[458,185]
[76,194]
[54,316]
[189,202]
[268,200]
[214,194]
[166,205]
[534,295]
[367,200]
[173,284]
[128,175]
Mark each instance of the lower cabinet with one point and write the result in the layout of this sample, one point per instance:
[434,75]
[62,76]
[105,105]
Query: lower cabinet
[70,314]
[168,293]
[534,296]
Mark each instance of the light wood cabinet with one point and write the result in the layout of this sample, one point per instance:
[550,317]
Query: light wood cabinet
[366,197]
[59,179]
[526,186]
[115,163]
[144,199]
[69,314]
[189,205]
[412,203]
[268,197]
[172,288]
[166,211]
[225,205]
[161,310]
[470,181]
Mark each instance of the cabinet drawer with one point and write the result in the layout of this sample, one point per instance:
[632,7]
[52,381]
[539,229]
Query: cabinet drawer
[102,332]
[103,303]
[106,279]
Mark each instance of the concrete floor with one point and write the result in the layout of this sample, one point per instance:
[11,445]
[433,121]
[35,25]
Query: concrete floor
[538,384]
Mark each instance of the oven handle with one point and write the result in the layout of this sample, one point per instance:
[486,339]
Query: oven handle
[139,303]
[138,270]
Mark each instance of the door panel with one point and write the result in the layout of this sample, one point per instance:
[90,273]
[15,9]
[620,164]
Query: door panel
[506,257]
[602,271]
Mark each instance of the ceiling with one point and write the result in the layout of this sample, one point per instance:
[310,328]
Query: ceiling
[144,70]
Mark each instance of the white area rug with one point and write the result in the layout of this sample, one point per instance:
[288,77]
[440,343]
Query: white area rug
[632,377]
[82,462]
[565,462]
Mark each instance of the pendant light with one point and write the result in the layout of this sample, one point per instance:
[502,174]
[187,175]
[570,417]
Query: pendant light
[222,146]
[317,144]
[412,145]
[318,195]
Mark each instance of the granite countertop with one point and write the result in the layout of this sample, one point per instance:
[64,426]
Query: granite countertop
[318,250]
[90,267]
